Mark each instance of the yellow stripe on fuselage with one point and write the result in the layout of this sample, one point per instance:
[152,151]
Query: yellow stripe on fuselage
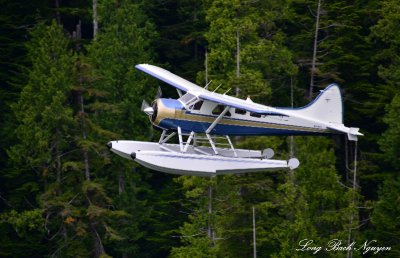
[170,113]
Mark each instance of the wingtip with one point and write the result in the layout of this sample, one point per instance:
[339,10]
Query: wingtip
[138,66]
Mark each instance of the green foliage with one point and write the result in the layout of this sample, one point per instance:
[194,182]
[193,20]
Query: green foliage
[385,217]
[124,40]
[25,222]
[384,31]
[264,61]
[63,195]
[42,109]
[390,141]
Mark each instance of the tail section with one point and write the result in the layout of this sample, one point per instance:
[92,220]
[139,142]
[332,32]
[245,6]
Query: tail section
[327,107]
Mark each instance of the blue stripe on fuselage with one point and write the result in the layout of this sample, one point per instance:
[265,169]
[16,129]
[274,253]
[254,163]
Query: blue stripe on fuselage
[222,129]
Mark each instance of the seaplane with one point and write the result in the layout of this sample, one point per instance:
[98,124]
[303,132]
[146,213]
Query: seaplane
[203,122]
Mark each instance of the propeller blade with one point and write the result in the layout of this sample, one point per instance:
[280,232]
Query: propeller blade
[159,93]
[144,105]
[149,111]
[147,108]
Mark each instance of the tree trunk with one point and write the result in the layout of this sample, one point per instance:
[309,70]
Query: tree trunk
[315,49]
[82,105]
[206,66]
[83,125]
[210,231]
[237,61]
[58,163]
[254,235]
[58,17]
[121,183]
[95,19]
[98,245]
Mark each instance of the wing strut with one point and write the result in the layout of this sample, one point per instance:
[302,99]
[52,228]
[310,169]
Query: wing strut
[209,129]
[216,121]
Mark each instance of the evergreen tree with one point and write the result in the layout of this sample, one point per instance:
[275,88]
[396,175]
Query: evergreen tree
[245,47]
[384,216]
[62,193]
[56,143]
[390,141]
[181,26]
[123,40]
[44,115]
[221,214]
[315,204]
[385,225]
[198,234]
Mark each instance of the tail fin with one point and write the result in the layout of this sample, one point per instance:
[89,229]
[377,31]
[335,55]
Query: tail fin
[327,106]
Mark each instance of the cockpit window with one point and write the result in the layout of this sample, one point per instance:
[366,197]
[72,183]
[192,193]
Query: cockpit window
[187,98]
[197,105]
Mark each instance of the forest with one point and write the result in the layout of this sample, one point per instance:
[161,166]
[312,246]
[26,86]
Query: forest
[68,85]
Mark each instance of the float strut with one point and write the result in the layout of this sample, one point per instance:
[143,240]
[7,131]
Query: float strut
[212,144]
[180,138]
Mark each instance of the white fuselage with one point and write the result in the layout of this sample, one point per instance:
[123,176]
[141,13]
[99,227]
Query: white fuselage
[171,113]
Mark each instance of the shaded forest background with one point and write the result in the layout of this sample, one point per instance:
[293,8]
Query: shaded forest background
[68,86]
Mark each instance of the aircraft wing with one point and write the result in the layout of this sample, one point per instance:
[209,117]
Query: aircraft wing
[168,77]
[236,103]
[204,94]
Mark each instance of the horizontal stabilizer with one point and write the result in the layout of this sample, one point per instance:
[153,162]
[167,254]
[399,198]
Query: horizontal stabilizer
[351,132]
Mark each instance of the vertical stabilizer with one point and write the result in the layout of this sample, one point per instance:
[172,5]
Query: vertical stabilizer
[327,107]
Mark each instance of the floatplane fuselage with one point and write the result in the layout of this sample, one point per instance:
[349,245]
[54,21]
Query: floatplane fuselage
[169,114]
[199,111]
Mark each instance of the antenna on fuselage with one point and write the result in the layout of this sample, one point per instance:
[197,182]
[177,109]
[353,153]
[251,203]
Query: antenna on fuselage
[227,91]
[217,87]
[206,87]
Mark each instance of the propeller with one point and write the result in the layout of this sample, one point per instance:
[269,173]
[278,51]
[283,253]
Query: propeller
[151,111]
[147,108]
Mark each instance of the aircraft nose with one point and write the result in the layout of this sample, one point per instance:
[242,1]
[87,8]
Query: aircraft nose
[149,111]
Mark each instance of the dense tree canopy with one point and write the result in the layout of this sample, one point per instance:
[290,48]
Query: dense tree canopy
[67,87]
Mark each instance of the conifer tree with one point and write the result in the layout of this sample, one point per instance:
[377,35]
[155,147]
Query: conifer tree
[384,216]
[56,141]
[315,204]
[124,39]
[386,211]
[245,54]
[245,47]
[43,113]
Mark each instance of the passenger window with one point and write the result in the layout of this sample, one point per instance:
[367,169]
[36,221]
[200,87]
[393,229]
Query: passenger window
[255,114]
[240,111]
[218,110]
